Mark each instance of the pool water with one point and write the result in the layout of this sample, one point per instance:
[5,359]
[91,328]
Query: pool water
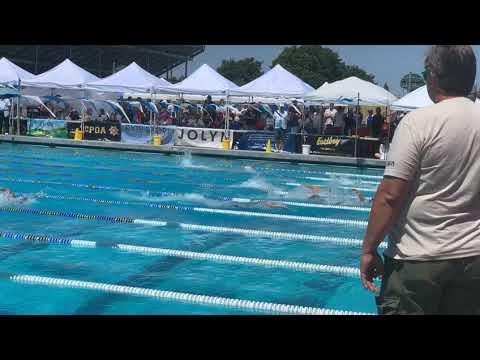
[149,203]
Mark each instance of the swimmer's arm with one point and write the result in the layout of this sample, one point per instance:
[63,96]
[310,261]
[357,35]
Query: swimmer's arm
[386,207]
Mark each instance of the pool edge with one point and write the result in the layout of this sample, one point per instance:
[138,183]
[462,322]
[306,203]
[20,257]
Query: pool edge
[170,149]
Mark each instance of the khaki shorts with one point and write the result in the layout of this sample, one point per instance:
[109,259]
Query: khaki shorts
[430,287]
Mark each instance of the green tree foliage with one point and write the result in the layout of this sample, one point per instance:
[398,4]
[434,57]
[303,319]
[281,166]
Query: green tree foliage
[386,87]
[315,64]
[175,80]
[241,71]
[411,81]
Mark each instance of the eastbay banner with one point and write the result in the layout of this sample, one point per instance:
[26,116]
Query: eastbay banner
[198,137]
[143,134]
[330,144]
[47,128]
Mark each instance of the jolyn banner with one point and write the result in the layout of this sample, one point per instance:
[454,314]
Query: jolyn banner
[197,137]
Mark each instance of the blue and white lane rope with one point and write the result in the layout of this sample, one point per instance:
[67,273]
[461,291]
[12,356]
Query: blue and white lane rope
[332,179]
[196,227]
[272,263]
[347,222]
[180,296]
[341,187]
[112,219]
[167,194]
[276,234]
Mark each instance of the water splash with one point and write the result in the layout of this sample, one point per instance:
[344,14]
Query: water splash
[258,183]
[187,162]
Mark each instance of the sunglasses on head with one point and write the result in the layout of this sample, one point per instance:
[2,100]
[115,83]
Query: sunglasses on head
[426,74]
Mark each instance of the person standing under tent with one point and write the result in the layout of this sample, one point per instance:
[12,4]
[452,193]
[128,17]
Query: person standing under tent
[349,123]
[377,123]
[428,200]
[369,121]
[102,115]
[293,118]
[339,119]
[357,117]
[329,116]
[280,118]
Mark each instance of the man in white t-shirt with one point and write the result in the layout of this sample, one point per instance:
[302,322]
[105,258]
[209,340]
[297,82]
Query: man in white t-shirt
[329,116]
[429,200]
[280,121]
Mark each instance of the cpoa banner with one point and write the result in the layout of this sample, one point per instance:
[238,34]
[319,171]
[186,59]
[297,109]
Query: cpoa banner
[96,130]
[198,137]
[329,144]
[257,140]
[143,134]
[47,128]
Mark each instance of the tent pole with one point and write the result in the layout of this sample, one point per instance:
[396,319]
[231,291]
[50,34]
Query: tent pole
[10,117]
[18,109]
[356,126]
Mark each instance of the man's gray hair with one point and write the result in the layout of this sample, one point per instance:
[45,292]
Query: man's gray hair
[454,67]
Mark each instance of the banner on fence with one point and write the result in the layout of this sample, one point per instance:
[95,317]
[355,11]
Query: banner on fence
[96,130]
[329,144]
[47,128]
[197,137]
[143,134]
[257,140]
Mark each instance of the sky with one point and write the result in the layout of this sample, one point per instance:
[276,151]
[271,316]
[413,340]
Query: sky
[387,62]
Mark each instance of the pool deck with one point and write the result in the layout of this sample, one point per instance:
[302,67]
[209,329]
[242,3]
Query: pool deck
[168,149]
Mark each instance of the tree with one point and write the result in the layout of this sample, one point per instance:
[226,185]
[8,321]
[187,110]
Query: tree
[386,87]
[241,71]
[411,81]
[175,80]
[315,64]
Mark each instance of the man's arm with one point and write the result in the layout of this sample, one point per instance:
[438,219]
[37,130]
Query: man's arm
[388,202]
[386,207]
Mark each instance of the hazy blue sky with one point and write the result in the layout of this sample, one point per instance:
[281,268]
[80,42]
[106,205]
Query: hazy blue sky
[387,62]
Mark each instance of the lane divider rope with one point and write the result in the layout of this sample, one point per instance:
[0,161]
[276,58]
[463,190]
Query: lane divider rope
[196,227]
[284,264]
[277,235]
[112,219]
[180,296]
[347,222]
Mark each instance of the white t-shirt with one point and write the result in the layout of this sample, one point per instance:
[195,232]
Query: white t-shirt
[280,119]
[329,116]
[437,148]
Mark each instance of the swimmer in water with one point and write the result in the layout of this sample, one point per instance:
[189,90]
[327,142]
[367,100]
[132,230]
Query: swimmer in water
[360,196]
[315,190]
[9,195]
[260,204]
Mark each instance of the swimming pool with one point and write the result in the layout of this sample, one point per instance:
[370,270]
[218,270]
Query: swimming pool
[109,232]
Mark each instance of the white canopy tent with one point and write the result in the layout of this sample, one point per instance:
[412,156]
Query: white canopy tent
[131,78]
[352,90]
[11,73]
[205,81]
[66,75]
[418,98]
[277,82]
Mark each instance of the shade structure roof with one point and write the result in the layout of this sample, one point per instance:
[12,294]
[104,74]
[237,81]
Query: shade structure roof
[12,73]
[416,99]
[277,82]
[205,81]
[352,90]
[131,78]
[67,74]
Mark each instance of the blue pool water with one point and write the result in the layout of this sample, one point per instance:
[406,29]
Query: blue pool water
[58,184]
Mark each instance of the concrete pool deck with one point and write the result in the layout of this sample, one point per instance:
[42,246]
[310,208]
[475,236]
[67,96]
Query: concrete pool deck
[169,149]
